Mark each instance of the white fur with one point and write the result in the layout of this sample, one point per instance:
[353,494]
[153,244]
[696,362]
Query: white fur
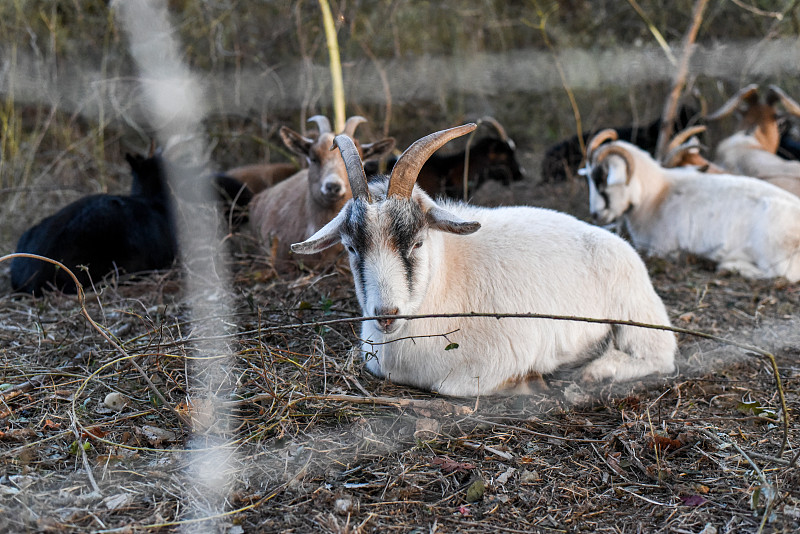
[744,224]
[743,154]
[521,260]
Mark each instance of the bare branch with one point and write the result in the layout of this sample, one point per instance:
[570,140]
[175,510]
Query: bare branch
[671,105]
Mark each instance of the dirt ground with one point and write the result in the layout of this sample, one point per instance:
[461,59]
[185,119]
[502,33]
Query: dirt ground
[314,443]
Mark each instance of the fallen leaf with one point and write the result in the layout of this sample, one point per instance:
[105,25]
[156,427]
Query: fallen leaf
[50,425]
[94,432]
[692,500]
[503,478]
[449,466]
[156,435]
[664,443]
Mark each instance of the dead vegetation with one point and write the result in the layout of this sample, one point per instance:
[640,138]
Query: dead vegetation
[315,443]
[311,442]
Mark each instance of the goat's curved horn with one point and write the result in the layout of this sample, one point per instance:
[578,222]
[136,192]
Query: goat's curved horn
[599,138]
[617,151]
[790,104]
[675,154]
[353,165]
[406,170]
[352,123]
[496,125]
[322,122]
[734,101]
[683,136]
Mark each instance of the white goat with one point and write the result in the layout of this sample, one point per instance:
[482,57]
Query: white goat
[410,255]
[751,151]
[743,223]
[295,208]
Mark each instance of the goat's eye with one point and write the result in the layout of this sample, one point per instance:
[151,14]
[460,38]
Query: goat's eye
[418,244]
[350,249]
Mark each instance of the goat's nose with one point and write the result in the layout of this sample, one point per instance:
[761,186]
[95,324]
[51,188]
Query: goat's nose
[388,322]
[332,188]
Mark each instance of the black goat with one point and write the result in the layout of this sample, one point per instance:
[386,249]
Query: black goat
[789,147]
[490,158]
[104,233]
[562,160]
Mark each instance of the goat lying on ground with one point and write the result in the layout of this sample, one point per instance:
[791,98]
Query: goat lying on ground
[410,255]
[742,223]
[294,209]
[105,233]
[490,157]
[751,151]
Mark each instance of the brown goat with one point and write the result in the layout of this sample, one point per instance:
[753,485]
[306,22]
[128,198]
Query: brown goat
[293,210]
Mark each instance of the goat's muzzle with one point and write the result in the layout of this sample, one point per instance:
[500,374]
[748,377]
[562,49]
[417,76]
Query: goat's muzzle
[387,324]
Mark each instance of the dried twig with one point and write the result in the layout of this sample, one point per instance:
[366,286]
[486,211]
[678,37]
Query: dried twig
[746,346]
[438,405]
[85,312]
[764,484]
[671,105]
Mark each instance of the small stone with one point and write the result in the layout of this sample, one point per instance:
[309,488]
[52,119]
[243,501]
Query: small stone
[476,491]
[343,505]
[115,401]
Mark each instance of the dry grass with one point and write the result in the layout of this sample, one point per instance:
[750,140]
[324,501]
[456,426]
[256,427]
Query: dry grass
[318,444]
[315,443]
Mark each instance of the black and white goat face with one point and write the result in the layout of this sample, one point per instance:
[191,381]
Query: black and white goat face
[386,244]
[392,245]
[391,241]
[609,179]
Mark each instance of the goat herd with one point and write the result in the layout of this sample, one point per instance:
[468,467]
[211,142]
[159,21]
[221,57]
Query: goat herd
[445,259]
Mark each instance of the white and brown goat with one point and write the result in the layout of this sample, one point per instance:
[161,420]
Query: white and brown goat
[751,151]
[742,223]
[685,150]
[410,255]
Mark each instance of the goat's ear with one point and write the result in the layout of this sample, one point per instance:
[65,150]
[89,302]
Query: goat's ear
[295,142]
[378,148]
[617,171]
[443,220]
[326,237]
